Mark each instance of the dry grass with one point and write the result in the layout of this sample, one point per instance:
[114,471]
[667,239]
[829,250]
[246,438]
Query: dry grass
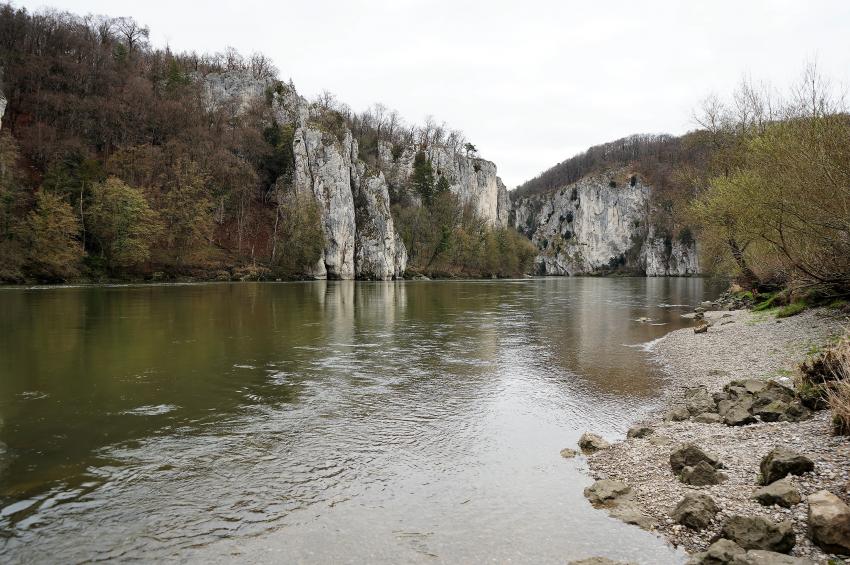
[837,389]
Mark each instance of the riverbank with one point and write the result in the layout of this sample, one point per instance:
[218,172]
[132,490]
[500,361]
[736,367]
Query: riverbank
[738,345]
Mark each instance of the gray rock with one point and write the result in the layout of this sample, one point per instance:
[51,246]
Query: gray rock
[568,453]
[781,493]
[599,561]
[629,514]
[740,413]
[737,389]
[756,532]
[701,328]
[700,475]
[590,443]
[721,552]
[829,522]
[678,414]
[689,455]
[639,432]
[606,493]
[762,557]
[696,511]
[781,462]
[708,418]
[699,401]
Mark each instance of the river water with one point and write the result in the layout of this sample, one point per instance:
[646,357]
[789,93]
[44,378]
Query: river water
[323,422]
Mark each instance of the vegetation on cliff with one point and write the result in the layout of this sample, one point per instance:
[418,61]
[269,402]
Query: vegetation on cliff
[114,163]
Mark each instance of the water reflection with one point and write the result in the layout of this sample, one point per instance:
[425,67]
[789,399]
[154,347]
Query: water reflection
[410,420]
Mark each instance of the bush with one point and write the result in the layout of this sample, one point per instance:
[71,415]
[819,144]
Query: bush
[791,310]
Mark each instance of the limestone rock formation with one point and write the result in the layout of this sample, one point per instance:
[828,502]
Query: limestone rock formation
[599,224]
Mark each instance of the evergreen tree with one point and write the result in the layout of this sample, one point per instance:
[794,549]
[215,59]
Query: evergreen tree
[423,177]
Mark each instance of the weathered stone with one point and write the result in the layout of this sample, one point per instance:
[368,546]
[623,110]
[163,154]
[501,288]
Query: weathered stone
[745,387]
[639,432]
[721,552]
[781,462]
[701,328]
[708,418]
[781,411]
[607,492]
[829,522]
[678,414]
[599,561]
[700,475]
[756,532]
[689,455]
[629,514]
[695,511]
[781,493]
[699,401]
[762,557]
[568,453]
[590,443]
[740,413]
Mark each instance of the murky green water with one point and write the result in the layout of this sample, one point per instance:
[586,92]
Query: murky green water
[323,421]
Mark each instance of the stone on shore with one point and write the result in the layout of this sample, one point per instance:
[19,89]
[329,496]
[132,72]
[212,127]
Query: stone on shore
[739,413]
[708,418]
[781,493]
[698,400]
[599,561]
[721,552]
[630,514]
[639,432]
[762,557]
[590,443]
[700,475]
[696,511]
[568,453]
[781,462]
[606,493]
[678,414]
[757,532]
[829,522]
[701,328]
[689,455]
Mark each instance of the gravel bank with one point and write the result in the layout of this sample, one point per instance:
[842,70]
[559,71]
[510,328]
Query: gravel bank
[739,345]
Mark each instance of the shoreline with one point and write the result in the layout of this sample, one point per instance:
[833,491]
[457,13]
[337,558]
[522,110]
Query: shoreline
[739,345]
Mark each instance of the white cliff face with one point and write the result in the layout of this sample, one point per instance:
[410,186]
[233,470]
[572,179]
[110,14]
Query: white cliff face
[360,238]
[600,224]
[323,169]
[379,252]
[474,181]
[237,87]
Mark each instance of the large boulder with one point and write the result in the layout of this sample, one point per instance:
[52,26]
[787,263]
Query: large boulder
[708,418]
[590,443]
[739,413]
[780,493]
[698,400]
[756,532]
[702,474]
[689,455]
[606,493]
[829,522]
[696,511]
[781,462]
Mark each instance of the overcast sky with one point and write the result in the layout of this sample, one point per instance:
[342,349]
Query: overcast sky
[530,83]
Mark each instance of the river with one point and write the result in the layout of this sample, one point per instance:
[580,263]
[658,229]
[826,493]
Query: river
[319,422]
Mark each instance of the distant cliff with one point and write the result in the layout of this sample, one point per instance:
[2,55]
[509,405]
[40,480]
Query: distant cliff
[602,224]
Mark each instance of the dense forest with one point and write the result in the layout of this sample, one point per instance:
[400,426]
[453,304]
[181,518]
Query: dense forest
[113,164]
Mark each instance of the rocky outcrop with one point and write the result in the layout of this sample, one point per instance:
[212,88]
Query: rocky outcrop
[473,180]
[354,203]
[600,224]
